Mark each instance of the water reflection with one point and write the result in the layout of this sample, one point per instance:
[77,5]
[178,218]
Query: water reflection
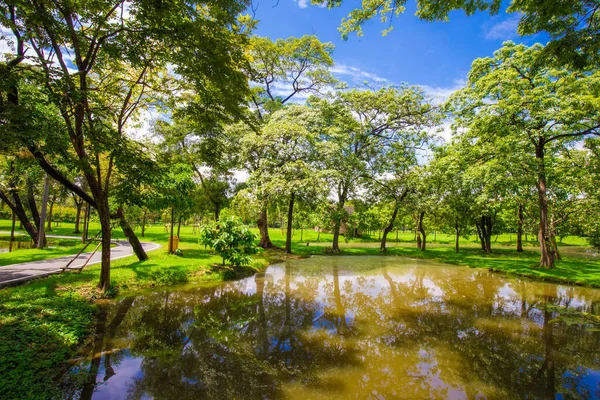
[7,246]
[337,327]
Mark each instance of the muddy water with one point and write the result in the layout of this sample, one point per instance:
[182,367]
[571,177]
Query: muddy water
[7,246]
[347,327]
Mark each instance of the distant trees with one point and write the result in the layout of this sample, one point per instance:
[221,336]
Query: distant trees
[368,134]
[281,71]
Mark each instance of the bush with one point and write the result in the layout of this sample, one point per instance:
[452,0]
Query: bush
[231,239]
[594,239]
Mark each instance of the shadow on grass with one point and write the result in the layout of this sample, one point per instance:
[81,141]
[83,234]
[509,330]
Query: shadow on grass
[39,330]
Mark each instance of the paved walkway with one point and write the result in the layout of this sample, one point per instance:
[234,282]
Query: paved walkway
[17,273]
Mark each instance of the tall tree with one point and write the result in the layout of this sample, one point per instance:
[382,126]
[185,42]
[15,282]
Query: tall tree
[282,71]
[361,128]
[517,105]
[286,166]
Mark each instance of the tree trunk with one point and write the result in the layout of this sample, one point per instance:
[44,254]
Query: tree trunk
[171,250]
[480,235]
[263,227]
[290,216]
[417,234]
[179,227]
[12,227]
[547,254]
[555,247]
[422,230]
[19,211]
[484,231]
[217,210]
[388,229]
[41,235]
[335,243]
[457,230]
[520,230]
[132,238]
[104,216]
[33,206]
[78,204]
[488,234]
[86,224]
[144,223]
[49,219]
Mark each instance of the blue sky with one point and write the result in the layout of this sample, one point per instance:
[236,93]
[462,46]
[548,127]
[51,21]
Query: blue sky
[437,55]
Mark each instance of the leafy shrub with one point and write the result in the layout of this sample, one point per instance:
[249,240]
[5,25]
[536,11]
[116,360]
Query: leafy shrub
[329,250]
[231,239]
[594,238]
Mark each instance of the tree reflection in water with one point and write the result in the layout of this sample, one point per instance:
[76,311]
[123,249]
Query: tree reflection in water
[360,327]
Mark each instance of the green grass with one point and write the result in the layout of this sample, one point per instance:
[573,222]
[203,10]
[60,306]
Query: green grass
[44,321]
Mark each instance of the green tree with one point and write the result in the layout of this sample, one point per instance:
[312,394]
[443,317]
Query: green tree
[286,167]
[452,189]
[209,148]
[590,212]
[518,106]
[279,72]
[361,129]
[231,239]
[174,192]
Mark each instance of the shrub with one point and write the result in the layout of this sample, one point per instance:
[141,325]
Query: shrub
[231,239]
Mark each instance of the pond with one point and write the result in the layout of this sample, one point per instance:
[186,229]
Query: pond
[6,246]
[347,327]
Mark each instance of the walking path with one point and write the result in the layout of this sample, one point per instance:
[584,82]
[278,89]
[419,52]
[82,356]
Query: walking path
[17,273]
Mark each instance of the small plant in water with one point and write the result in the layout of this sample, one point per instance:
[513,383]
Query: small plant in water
[231,239]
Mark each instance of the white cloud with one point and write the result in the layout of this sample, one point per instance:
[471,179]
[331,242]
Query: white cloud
[504,30]
[356,75]
[440,94]
[306,3]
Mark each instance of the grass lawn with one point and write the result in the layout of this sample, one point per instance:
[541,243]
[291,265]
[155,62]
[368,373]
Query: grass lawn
[43,322]
[56,248]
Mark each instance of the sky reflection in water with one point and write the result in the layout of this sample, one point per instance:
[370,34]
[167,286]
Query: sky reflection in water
[346,327]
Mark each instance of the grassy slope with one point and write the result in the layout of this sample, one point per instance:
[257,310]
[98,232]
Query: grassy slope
[42,322]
